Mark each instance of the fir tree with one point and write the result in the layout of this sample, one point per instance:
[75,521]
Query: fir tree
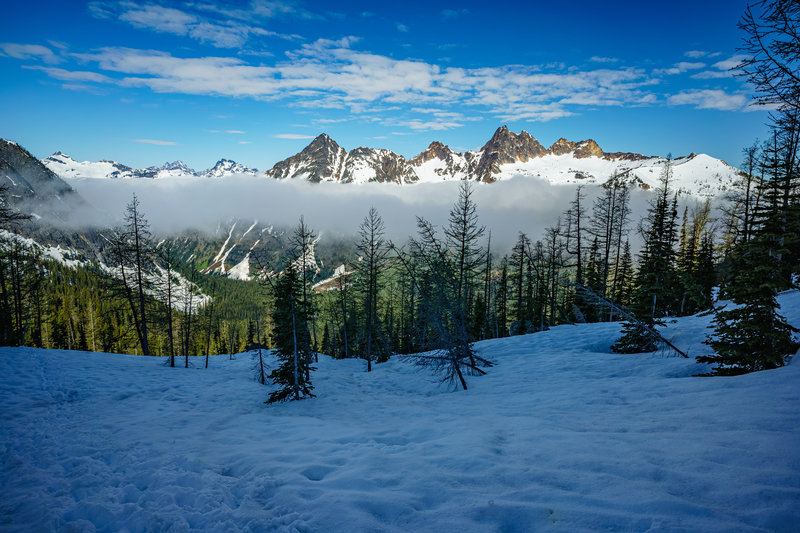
[752,336]
[291,340]
[657,282]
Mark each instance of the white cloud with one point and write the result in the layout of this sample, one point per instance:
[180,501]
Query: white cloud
[695,54]
[72,75]
[679,68]
[154,141]
[698,54]
[709,99]
[29,51]
[713,75]
[233,32]
[731,62]
[236,132]
[330,74]
[601,59]
[163,19]
[292,136]
[402,27]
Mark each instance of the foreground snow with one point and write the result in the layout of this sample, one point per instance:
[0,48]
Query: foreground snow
[560,436]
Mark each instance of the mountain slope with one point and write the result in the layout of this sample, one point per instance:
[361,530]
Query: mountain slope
[67,167]
[505,155]
[32,187]
[560,435]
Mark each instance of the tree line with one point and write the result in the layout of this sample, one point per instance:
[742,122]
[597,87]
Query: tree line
[432,297]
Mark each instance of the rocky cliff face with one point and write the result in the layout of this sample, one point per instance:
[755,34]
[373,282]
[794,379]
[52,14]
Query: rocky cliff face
[32,187]
[321,159]
[223,167]
[444,163]
[505,155]
[506,147]
[378,165]
[64,166]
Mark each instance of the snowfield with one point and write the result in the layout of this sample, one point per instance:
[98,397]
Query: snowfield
[561,435]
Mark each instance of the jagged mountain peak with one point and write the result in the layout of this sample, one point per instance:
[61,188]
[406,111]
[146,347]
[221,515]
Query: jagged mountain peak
[506,147]
[226,167]
[176,165]
[323,141]
[562,147]
[504,155]
[435,150]
[588,148]
[321,160]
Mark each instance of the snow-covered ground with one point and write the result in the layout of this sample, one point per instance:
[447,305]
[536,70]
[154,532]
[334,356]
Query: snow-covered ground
[560,435]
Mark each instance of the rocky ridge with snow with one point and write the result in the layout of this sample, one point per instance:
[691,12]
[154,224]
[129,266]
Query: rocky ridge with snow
[504,156]
[67,167]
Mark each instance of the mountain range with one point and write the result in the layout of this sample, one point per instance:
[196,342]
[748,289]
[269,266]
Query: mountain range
[505,155]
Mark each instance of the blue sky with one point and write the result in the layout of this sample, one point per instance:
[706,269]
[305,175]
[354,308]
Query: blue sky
[148,82]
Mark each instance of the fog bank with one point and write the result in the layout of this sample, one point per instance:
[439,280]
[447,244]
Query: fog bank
[170,205]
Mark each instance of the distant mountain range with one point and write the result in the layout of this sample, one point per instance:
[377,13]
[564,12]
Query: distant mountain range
[66,167]
[505,155]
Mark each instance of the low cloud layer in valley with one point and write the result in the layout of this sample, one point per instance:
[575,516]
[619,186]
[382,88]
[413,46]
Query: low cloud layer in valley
[518,204]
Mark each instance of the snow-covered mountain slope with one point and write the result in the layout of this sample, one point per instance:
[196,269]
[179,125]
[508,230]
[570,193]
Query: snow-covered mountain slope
[560,435]
[505,155]
[242,238]
[226,167]
[697,175]
[31,187]
[66,167]
[184,292]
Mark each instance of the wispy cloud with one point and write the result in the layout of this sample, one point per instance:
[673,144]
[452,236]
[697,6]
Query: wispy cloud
[731,62]
[601,59]
[330,74]
[680,67]
[293,136]
[710,99]
[71,75]
[232,32]
[713,75]
[698,54]
[413,94]
[449,14]
[29,51]
[154,141]
[402,27]
[235,132]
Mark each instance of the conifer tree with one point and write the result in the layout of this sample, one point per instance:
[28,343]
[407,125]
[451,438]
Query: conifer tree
[462,234]
[374,250]
[753,336]
[656,283]
[291,341]
[435,272]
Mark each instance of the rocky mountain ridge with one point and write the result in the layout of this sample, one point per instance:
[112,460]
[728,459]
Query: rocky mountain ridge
[67,167]
[31,187]
[506,154]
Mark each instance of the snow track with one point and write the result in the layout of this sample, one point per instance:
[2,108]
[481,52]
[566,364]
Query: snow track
[561,435]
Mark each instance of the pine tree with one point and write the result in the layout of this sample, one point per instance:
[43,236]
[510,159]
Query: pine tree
[463,233]
[291,340]
[657,282]
[434,270]
[753,336]
[373,249]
